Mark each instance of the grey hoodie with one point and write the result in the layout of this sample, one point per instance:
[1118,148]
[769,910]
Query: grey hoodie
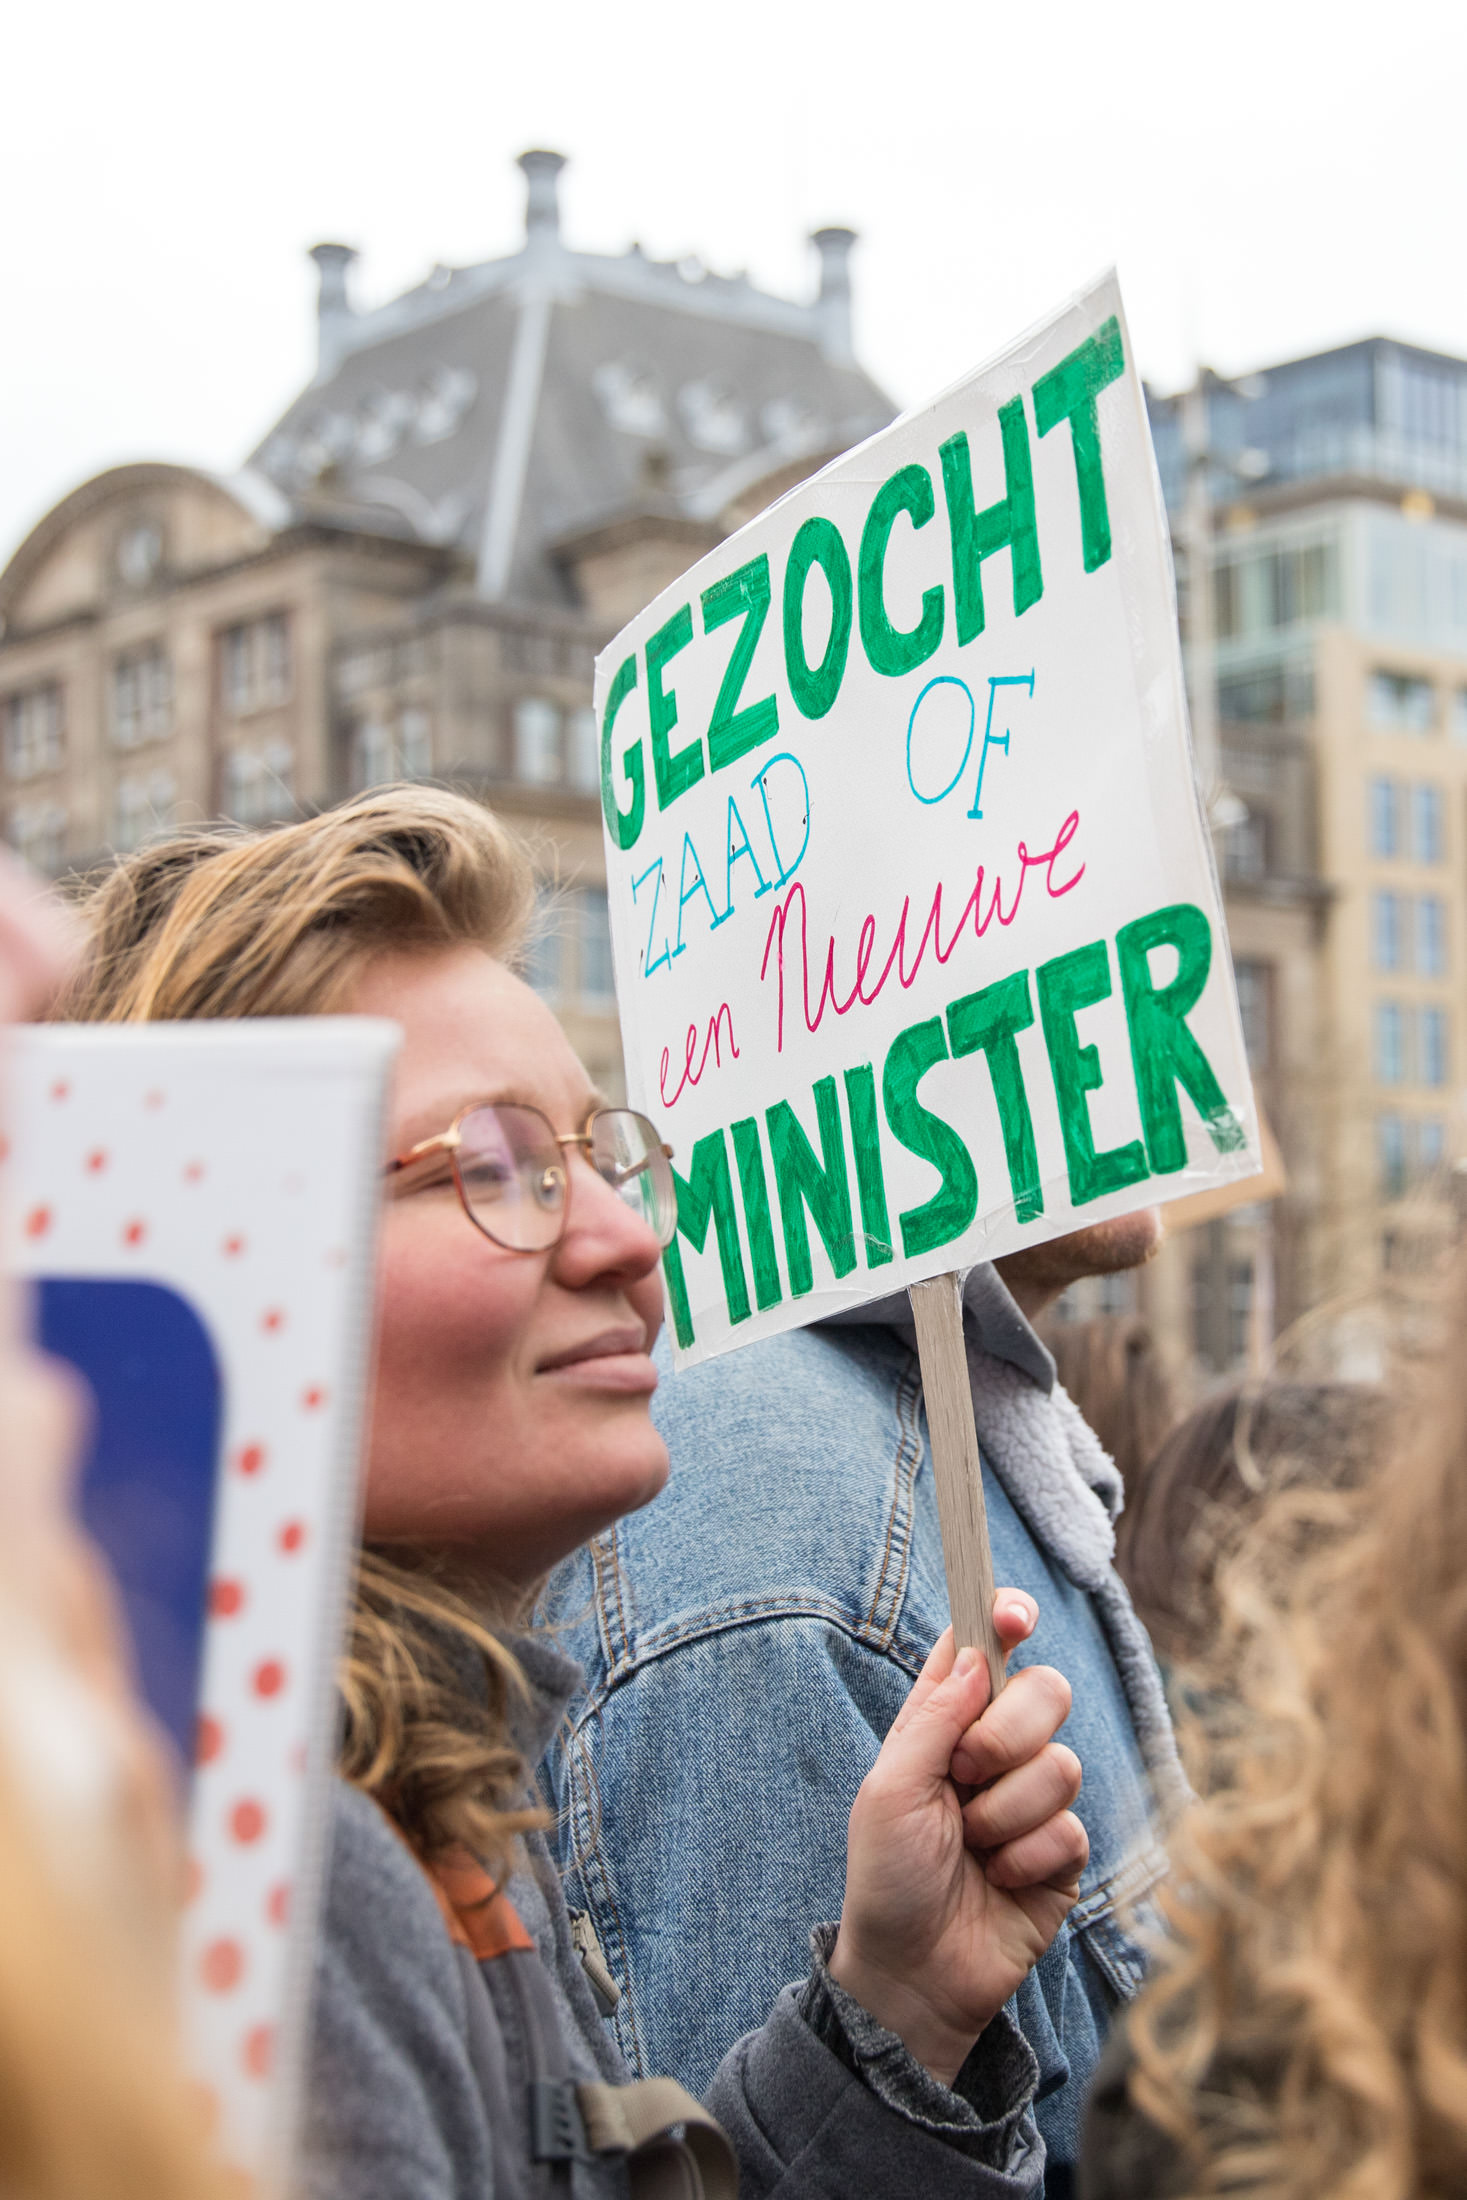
[819,2101]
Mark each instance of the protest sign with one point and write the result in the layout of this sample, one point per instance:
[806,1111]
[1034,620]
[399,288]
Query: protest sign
[196,1206]
[918,943]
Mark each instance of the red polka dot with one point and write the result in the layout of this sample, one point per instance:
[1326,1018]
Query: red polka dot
[208,1739]
[269,1677]
[193,1878]
[247,1820]
[61,1090]
[193,1172]
[153,1099]
[291,1536]
[38,1222]
[258,2050]
[97,1160]
[277,1904]
[225,1599]
[314,1398]
[134,1232]
[221,1966]
[233,1247]
[272,1321]
[250,1458]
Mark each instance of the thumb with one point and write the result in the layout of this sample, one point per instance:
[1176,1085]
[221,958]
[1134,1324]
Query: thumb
[920,1746]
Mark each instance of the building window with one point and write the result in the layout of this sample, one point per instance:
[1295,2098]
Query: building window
[142,697]
[1426,824]
[1390,1043]
[414,744]
[260,784]
[583,750]
[1254,982]
[381,752]
[1390,1142]
[1385,817]
[598,985]
[544,953]
[1457,707]
[142,806]
[254,665]
[1389,931]
[537,742]
[1398,703]
[1431,1144]
[37,832]
[32,728]
[1245,848]
[1432,1067]
[1431,936]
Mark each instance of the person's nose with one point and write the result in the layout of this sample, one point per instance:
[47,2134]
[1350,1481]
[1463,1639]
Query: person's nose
[604,1237]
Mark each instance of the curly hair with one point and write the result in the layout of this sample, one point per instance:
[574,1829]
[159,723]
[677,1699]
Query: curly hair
[1306,2034]
[227,922]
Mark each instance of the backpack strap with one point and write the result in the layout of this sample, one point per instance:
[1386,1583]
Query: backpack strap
[674,2149]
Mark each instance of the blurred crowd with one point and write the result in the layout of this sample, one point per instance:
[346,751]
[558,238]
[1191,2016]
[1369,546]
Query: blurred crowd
[677,1848]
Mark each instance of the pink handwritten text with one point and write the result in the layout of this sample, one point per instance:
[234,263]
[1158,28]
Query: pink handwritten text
[711,1044]
[866,993]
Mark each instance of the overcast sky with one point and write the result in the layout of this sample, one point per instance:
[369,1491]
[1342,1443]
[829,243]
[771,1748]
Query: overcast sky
[1271,177]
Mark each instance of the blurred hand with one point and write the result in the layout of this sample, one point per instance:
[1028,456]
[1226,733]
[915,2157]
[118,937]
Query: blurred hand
[963,1856]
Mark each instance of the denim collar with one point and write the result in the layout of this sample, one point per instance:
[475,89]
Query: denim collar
[991,1319]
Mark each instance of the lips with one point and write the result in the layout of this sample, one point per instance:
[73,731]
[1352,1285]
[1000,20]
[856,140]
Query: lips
[627,1340]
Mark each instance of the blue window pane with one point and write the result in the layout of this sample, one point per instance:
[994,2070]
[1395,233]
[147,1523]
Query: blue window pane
[1387,928]
[1431,936]
[1390,1139]
[1433,1046]
[1398,704]
[1384,818]
[1426,822]
[1390,1043]
[1431,1144]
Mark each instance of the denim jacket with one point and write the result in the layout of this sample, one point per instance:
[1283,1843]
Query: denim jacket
[747,1641]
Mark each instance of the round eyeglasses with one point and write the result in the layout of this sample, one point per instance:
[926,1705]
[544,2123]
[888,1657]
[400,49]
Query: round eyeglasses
[510,1170]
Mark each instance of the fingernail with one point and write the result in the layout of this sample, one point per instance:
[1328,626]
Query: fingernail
[1016,1614]
[967,1661]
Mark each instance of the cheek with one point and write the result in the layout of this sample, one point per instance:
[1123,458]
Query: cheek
[453,1315]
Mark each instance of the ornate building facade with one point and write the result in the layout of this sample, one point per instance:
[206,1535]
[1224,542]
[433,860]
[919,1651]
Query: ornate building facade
[411,575]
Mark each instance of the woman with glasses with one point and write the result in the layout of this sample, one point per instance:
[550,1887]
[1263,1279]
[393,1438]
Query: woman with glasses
[459,2047]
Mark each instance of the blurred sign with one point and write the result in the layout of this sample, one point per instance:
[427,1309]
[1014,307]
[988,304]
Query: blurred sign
[918,942]
[197,1204]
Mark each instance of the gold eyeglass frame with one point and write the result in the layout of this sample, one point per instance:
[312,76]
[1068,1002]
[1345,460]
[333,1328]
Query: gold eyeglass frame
[450,1142]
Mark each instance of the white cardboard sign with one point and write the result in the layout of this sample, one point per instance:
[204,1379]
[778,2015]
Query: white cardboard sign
[919,949]
[196,1205]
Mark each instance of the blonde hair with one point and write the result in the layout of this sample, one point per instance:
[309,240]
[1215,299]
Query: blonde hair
[279,923]
[1307,2033]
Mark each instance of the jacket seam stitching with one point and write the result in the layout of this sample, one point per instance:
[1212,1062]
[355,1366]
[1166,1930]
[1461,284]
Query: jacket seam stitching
[894,1515]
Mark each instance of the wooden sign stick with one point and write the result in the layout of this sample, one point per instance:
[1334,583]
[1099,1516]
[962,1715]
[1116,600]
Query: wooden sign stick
[937,1309]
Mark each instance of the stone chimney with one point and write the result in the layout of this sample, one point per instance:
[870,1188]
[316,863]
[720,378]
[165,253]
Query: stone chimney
[333,307]
[833,306]
[542,196]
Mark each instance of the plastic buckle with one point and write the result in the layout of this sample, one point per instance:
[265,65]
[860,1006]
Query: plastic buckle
[557,2128]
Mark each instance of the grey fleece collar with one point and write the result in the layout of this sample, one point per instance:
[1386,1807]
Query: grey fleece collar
[990,1315]
[1060,1480]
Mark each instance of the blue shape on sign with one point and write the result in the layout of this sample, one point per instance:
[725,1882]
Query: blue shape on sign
[151,1466]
